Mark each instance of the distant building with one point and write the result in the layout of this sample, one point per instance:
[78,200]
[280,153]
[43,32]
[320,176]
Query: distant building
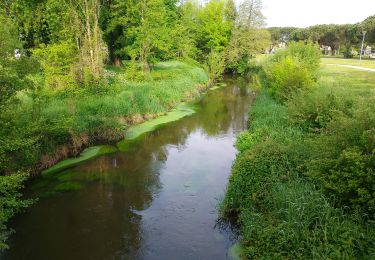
[326,50]
[274,47]
[367,50]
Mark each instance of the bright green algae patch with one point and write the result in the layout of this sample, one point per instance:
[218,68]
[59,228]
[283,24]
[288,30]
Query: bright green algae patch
[87,154]
[137,131]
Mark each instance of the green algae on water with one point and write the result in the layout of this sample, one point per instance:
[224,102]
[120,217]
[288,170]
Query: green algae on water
[87,154]
[137,131]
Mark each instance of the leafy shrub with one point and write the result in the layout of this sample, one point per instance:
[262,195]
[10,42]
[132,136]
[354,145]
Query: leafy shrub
[286,76]
[57,61]
[292,70]
[281,213]
[313,110]
[307,53]
[216,65]
[10,202]
[343,158]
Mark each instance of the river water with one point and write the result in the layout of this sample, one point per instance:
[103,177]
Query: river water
[158,200]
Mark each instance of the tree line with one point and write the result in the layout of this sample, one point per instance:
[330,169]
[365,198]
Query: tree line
[74,40]
[343,39]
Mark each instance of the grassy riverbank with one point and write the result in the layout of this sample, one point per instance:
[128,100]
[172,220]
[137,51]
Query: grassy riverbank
[61,123]
[70,120]
[302,185]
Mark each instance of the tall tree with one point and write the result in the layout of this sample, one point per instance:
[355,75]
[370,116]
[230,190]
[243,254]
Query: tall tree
[88,35]
[185,31]
[147,31]
[215,28]
[250,14]
[249,38]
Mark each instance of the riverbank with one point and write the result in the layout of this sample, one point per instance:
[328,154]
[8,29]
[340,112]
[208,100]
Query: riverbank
[62,123]
[70,121]
[157,198]
[302,185]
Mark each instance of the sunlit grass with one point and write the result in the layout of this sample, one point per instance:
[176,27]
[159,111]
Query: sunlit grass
[353,62]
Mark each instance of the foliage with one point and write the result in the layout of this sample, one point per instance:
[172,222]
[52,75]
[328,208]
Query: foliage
[346,166]
[280,212]
[314,110]
[214,28]
[292,70]
[11,203]
[147,27]
[248,38]
[57,61]
[216,65]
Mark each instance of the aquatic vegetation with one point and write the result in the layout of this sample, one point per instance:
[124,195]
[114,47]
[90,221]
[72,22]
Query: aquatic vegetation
[136,131]
[87,154]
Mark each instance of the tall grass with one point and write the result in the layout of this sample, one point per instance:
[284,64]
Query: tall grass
[60,119]
[280,211]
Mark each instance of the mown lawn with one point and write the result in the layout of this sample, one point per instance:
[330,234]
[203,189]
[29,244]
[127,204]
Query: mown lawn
[353,62]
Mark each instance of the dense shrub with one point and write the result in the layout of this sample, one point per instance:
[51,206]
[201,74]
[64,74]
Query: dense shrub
[313,110]
[292,70]
[10,202]
[287,76]
[281,213]
[57,61]
[307,53]
[343,157]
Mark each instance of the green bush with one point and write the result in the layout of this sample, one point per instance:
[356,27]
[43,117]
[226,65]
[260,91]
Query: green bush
[287,76]
[343,158]
[57,61]
[11,203]
[313,110]
[291,70]
[282,214]
[307,53]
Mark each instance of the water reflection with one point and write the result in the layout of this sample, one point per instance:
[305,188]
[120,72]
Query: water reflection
[155,201]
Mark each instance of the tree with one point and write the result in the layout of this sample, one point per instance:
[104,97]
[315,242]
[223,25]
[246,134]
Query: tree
[281,34]
[112,24]
[147,31]
[368,25]
[250,14]
[88,36]
[215,27]
[350,37]
[12,72]
[248,38]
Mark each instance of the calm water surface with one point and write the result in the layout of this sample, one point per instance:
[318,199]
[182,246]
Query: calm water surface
[156,201]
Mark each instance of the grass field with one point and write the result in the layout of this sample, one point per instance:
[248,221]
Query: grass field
[348,79]
[353,62]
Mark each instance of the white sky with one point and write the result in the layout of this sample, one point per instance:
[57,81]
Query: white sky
[303,13]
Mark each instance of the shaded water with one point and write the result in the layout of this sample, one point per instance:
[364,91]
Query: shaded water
[156,201]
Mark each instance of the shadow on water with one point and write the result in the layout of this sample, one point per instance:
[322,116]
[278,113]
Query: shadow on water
[157,200]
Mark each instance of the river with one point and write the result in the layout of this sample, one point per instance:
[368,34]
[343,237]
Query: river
[157,200]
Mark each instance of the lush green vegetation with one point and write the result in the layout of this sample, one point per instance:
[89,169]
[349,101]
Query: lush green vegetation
[78,73]
[303,183]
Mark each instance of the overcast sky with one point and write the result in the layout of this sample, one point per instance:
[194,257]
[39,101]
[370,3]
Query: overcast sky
[303,13]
